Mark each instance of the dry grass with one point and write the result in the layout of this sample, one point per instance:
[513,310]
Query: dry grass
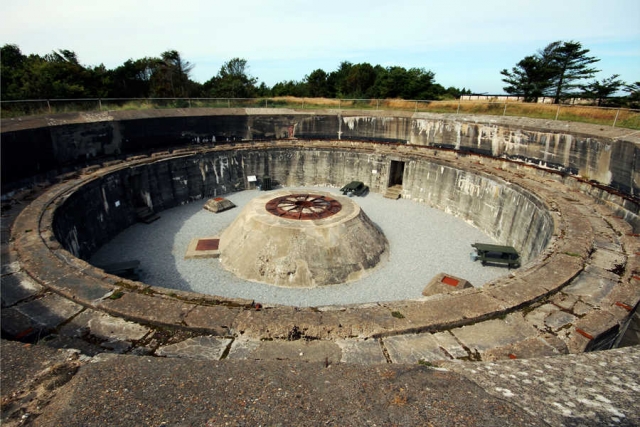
[603,116]
[399,399]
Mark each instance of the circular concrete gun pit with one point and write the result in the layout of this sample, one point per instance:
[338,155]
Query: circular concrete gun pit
[567,257]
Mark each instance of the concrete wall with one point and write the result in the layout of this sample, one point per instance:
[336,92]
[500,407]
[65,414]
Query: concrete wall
[98,211]
[43,145]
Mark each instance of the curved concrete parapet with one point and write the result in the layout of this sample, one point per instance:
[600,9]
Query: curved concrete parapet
[574,295]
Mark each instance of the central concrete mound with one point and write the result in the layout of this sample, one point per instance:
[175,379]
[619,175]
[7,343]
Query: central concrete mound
[302,239]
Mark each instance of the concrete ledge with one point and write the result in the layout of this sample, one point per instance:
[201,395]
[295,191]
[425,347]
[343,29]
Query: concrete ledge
[557,266]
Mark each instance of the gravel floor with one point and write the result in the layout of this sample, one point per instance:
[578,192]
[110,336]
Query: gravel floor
[423,242]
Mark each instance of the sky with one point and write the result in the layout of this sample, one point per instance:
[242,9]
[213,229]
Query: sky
[464,42]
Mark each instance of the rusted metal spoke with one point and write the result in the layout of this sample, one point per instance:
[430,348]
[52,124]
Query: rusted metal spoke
[303,206]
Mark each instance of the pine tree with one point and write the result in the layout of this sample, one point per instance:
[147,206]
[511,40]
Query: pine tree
[555,70]
[570,64]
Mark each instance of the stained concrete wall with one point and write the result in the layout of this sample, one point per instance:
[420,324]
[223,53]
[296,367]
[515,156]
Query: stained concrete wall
[98,211]
[47,146]
[32,146]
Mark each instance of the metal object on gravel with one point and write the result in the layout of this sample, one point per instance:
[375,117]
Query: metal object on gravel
[219,204]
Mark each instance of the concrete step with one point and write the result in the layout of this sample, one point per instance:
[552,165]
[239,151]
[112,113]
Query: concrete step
[146,215]
[393,192]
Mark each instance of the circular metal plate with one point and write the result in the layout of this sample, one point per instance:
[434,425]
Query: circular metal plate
[303,206]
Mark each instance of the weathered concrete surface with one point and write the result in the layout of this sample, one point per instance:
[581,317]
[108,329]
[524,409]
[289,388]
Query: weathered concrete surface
[40,315]
[260,246]
[217,319]
[596,152]
[494,333]
[411,349]
[42,385]
[205,348]
[142,391]
[590,389]
[17,287]
[100,326]
[445,283]
[365,352]
[30,376]
[143,307]
[299,350]
[552,321]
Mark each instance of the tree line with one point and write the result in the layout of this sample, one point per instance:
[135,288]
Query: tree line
[559,70]
[61,75]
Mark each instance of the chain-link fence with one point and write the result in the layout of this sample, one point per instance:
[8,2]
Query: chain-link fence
[616,117]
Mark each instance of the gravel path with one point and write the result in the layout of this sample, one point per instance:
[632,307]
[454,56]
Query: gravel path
[423,242]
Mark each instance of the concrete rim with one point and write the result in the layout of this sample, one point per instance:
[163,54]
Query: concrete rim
[52,266]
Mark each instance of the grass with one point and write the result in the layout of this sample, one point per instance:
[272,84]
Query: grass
[623,118]
[116,294]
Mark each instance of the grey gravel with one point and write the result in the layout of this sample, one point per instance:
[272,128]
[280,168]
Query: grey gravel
[423,242]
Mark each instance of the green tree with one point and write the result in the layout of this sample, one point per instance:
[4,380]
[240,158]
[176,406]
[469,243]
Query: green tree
[11,69]
[290,88]
[570,64]
[56,75]
[390,82]
[633,99]
[358,81]
[599,91]
[133,78]
[337,80]
[263,90]
[170,77]
[421,85]
[555,70]
[317,84]
[398,82]
[531,78]
[232,81]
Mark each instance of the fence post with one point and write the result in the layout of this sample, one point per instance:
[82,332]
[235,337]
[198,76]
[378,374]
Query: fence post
[49,106]
[228,103]
[616,119]
[303,102]
[459,100]
[189,102]
[339,104]
[416,110]
[504,112]
[377,104]
[266,103]
[99,104]
[557,112]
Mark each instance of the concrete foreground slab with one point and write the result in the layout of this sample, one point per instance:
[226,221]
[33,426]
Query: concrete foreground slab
[450,345]
[590,389]
[414,349]
[491,334]
[49,311]
[591,288]
[30,374]
[103,326]
[207,348]
[17,287]
[364,352]
[326,352]
[144,391]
